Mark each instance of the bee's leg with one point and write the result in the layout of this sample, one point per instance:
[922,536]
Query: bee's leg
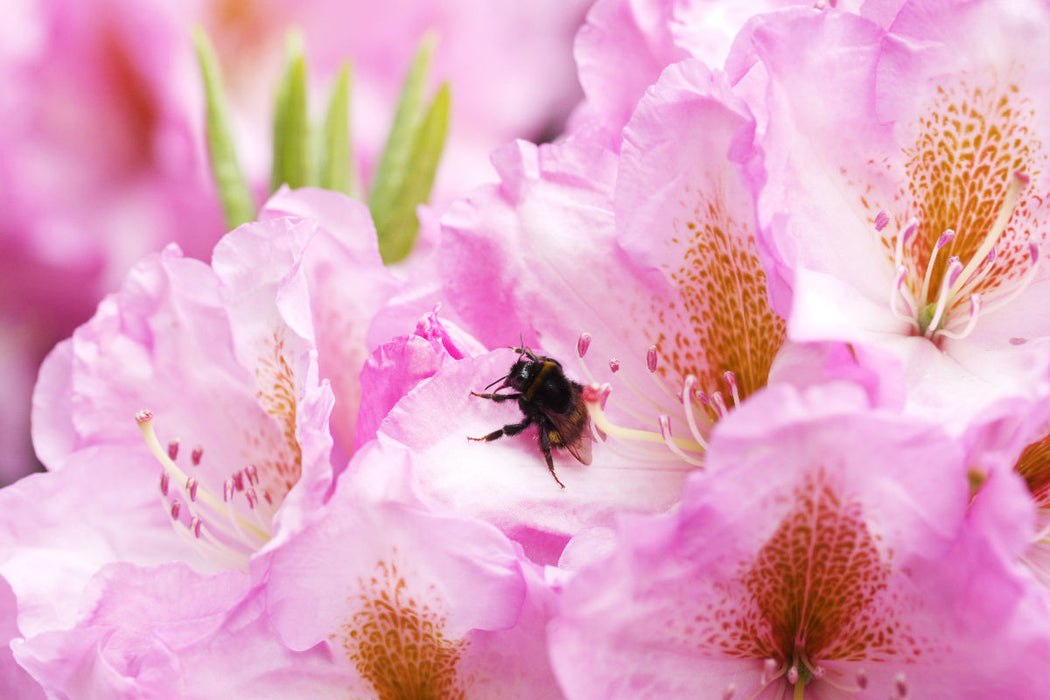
[496,397]
[545,445]
[512,429]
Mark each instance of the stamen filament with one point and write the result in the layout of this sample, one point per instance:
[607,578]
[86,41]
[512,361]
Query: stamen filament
[665,431]
[954,266]
[944,240]
[975,311]
[1004,299]
[598,417]
[898,293]
[1013,196]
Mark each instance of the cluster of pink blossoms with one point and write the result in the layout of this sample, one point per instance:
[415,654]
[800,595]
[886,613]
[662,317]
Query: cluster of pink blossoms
[794,258]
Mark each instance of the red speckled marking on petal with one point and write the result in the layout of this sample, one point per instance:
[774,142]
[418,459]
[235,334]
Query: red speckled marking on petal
[819,589]
[398,643]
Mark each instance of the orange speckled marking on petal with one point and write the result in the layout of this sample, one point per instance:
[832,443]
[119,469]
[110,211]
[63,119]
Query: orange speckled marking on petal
[1034,466]
[722,320]
[398,643]
[818,590]
[968,145]
[280,469]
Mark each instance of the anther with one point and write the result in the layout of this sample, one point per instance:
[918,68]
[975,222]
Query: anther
[945,239]
[195,526]
[734,388]
[881,219]
[900,684]
[173,450]
[583,344]
[903,239]
[144,416]
[614,366]
[176,507]
[651,358]
[165,483]
[252,498]
[792,675]
[862,679]
[191,488]
[769,669]
[196,455]
[253,474]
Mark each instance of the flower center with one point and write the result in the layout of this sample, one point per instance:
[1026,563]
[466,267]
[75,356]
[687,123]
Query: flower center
[226,522]
[944,297]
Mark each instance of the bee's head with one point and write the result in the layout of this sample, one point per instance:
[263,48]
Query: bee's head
[522,374]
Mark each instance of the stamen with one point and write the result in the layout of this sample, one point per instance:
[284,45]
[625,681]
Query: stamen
[997,302]
[944,240]
[690,416]
[583,344]
[173,449]
[196,455]
[592,396]
[899,292]
[651,359]
[881,219]
[769,669]
[734,388]
[1018,183]
[933,325]
[792,675]
[665,431]
[902,240]
[900,685]
[862,679]
[614,366]
[975,311]
[233,546]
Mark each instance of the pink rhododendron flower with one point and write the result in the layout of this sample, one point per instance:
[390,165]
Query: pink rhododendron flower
[411,601]
[376,594]
[827,551]
[907,188]
[227,360]
[648,258]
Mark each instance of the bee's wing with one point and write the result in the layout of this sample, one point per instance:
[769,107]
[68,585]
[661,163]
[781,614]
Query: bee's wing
[573,432]
[581,448]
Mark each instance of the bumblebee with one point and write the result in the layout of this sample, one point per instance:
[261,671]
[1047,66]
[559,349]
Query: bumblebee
[548,399]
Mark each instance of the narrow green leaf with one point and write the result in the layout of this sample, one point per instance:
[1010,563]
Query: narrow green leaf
[336,171]
[395,159]
[237,203]
[292,156]
[398,234]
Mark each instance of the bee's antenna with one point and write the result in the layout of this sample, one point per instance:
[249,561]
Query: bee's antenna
[501,379]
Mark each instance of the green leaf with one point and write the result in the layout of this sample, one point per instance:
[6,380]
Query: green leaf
[238,205]
[292,156]
[398,234]
[396,156]
[336,171]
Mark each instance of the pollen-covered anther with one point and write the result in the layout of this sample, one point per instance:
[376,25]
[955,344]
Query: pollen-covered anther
[862,679]
[229,530]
